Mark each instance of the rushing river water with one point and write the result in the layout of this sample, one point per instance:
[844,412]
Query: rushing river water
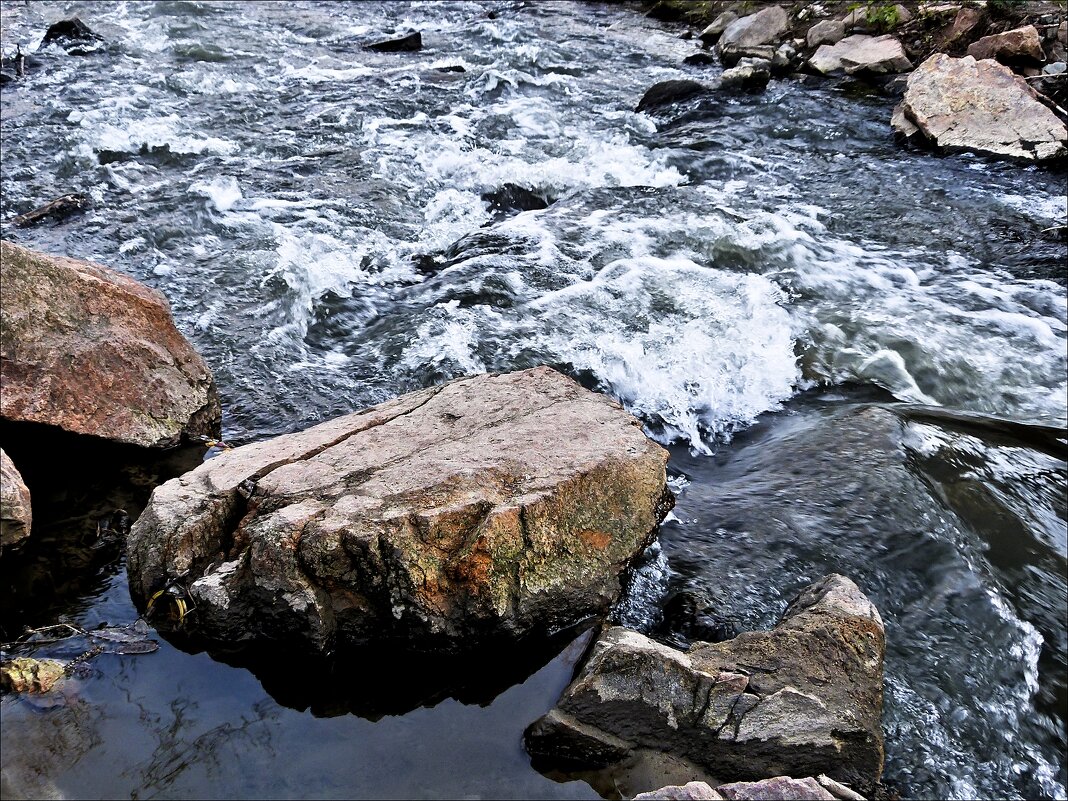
[773,285]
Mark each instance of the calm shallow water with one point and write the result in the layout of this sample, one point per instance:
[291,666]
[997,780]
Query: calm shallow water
[743,272]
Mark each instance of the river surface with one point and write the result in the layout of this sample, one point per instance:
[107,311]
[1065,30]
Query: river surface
[780,292]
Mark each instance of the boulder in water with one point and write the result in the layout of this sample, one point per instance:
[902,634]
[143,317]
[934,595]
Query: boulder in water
[803,698]
[92,351]
[404,44]
[667,92]
[964,104]
[490,507]
[69,31]
[748,75]
[16,516]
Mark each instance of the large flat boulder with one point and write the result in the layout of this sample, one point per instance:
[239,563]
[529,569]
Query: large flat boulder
[16,515]
[91,351]
[802,699]
[964,104]
[877,55]
[491,506]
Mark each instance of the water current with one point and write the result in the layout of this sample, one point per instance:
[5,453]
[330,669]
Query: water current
[856,353]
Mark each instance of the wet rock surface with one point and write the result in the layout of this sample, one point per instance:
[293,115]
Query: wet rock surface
[667,92]
[801,699]
[492,506]
[410,43]
[16,515]
[92,351]
[964,104]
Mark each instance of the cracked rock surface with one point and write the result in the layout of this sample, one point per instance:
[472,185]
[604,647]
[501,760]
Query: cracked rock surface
[802,699]
[964,104]
[92,351]
[496,505]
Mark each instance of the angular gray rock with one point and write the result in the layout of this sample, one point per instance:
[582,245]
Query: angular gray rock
[766,26]
[828,32]
[491,506]
[92,351]
[861,54]
[964,104]
[801,699]
[778,788]
[716,28]
[1018,46]
[691,791]
[16,516]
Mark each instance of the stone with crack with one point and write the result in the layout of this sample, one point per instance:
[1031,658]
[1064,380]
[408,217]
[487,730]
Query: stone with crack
[802,699]
[491,506]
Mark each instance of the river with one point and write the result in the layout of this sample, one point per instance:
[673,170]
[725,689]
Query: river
[785,297]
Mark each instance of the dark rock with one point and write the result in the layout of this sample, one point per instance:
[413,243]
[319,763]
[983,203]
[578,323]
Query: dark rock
[58,209]
[92,351]
[491,507]
[700,58]
[405,44]
[515,198]
[666,12]
[673,91]
[69,31]
[689,617]
[6,77]
[804,698]
[452,68]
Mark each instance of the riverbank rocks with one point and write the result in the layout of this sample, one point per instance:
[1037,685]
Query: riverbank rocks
[91,351]
[491,506]
[802,699]
[16,515]
[964,104]
[861,54]
[1020,46]
[766,26]
[828,32]
[777,788]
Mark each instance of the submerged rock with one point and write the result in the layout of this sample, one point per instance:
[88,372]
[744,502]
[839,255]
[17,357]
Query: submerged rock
[515,198]
[26,675]
[964,104]
[16,515]
[801,699]
[91,351]
[861,54]
[666,92]
[405,44]
[491,506]
[69,31]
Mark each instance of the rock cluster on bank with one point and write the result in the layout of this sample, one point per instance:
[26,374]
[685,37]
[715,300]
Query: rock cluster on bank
[491,506]
[802,699]
[950,104]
